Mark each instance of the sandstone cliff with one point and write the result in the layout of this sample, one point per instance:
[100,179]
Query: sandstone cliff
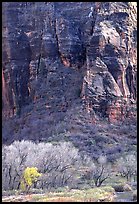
[62,54]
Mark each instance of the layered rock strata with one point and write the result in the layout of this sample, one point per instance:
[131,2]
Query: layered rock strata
[62,51]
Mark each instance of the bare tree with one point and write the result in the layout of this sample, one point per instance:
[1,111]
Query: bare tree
[14,163]
[60,163]
[127,166]
[102,171]
[97,171]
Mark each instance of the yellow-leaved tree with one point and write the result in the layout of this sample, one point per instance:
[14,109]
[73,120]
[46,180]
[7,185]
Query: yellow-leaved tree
[30,176]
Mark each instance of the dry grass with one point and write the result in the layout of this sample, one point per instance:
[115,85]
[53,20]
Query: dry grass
[90,195]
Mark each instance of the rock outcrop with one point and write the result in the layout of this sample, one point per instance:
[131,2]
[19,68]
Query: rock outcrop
[57,52]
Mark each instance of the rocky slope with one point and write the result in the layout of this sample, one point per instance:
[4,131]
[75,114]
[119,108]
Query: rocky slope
[60,55]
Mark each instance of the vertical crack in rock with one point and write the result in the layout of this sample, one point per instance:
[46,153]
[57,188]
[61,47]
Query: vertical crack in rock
[94,14]
[55,29]
[40,55]
[57,37]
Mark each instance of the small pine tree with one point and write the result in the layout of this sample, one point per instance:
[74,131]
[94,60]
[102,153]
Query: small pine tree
[30,175]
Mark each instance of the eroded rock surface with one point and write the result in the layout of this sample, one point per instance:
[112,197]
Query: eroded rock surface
[57,52]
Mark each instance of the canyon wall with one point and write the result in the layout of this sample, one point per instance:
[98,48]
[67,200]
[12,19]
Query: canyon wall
[60,52]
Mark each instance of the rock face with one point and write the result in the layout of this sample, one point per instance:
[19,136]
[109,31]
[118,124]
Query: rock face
[57,52]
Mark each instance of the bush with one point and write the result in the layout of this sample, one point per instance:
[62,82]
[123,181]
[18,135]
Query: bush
[30,176]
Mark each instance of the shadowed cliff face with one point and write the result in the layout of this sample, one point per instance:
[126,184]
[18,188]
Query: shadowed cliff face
[16,60]
[59,52]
